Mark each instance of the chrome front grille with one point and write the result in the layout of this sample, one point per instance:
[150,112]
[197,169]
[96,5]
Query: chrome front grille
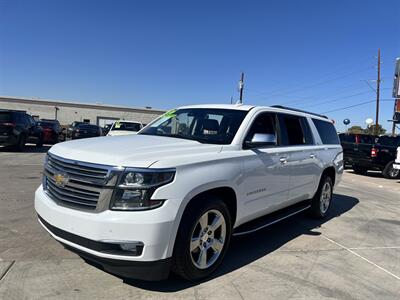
[77,185]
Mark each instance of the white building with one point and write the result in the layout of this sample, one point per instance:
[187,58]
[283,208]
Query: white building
[67,112]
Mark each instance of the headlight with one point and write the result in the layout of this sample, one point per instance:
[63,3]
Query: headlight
[136,186]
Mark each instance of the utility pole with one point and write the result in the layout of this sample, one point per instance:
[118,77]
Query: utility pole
[394,112]
[241,85]
[378,84]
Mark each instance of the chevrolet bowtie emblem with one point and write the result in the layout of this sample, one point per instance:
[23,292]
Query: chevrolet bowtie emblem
[61,180]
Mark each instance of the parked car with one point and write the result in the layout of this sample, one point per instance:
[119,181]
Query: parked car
[379,156]
[396,164]
[123,127]
[51,130]
[356,146]
[85,130]
[18,128]
[172,195]
[74,125]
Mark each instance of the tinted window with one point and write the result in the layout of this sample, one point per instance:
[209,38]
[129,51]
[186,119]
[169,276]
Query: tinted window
[296,130]
[367,139]
[264,123]
[87,126]
[326,131]
[5,117]
[46,124]
[347,138]
[388,141]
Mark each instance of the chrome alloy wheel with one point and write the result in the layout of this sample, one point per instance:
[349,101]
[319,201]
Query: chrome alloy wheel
[208,239]
[393,173]
[326,195]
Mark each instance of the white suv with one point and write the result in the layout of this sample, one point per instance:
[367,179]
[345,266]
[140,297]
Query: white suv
[172,196]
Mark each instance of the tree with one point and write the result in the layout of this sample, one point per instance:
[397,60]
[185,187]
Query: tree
[356,129]
[371,130]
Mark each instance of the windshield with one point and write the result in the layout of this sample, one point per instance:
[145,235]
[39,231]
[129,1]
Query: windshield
[211,126]
[128,126]
[46,124]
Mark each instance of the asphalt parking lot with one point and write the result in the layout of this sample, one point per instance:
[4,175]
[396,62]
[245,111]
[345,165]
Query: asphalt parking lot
[353,254]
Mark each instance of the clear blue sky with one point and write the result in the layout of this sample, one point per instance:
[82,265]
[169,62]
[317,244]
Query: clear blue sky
[307,54]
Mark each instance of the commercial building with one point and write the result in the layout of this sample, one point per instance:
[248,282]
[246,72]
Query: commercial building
[68,112]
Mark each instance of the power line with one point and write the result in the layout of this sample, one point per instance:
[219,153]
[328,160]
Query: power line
[337,69]
[316,84]
[346,107]
[335,99]
[355,105]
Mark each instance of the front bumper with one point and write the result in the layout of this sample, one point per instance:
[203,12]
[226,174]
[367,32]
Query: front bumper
[396,166]
[89,231]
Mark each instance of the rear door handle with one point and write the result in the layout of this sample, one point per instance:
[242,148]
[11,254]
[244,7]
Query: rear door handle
[312,155]
[283,160]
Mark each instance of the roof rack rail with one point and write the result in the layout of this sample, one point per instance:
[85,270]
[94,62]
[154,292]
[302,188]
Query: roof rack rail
[299,110]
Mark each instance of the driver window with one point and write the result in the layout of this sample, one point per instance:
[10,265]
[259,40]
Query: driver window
[265,124]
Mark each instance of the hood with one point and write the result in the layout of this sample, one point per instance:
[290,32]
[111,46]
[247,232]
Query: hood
[139,151]
[120,132]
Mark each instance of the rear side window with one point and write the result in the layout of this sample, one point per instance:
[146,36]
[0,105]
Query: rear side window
[388,141]
[295,130]
[5,117]
[326,131]
[347,138]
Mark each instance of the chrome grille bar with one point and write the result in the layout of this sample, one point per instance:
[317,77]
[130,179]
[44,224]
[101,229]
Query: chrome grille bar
[84,183]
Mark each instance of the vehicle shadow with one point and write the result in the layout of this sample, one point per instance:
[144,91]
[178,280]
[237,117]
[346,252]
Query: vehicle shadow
[29,148]
[374,174]
[246,249]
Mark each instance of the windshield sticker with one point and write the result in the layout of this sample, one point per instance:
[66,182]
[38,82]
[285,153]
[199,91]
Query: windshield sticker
[117,125]
[165,117]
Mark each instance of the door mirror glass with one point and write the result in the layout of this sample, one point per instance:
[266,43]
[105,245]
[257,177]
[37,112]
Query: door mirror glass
[261,140]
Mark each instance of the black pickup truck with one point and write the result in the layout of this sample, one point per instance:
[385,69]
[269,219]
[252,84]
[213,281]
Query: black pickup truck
[363,153]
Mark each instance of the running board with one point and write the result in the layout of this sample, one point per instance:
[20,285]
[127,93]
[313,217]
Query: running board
[271,218]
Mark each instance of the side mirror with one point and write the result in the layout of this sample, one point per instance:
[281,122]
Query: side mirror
[261,140]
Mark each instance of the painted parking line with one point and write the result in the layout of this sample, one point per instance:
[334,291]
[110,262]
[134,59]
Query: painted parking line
[360,256]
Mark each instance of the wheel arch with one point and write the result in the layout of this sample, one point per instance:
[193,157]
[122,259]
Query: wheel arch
[225,192]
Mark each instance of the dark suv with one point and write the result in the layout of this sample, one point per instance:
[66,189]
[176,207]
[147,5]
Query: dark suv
[18,128]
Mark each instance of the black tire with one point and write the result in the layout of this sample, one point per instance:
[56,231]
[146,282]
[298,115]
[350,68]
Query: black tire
[20,146]
[317,210]
[389,172]
[360,170]
[183,261]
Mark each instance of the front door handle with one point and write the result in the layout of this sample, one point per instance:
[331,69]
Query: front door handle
[283,160]
[312,155]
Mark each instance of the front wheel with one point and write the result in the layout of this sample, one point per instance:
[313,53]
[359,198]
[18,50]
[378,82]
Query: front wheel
[203,238]
[321,201]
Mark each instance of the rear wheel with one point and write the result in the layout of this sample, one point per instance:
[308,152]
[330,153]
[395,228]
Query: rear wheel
[390,172]
[321,201]
[360,170]
[203,238]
